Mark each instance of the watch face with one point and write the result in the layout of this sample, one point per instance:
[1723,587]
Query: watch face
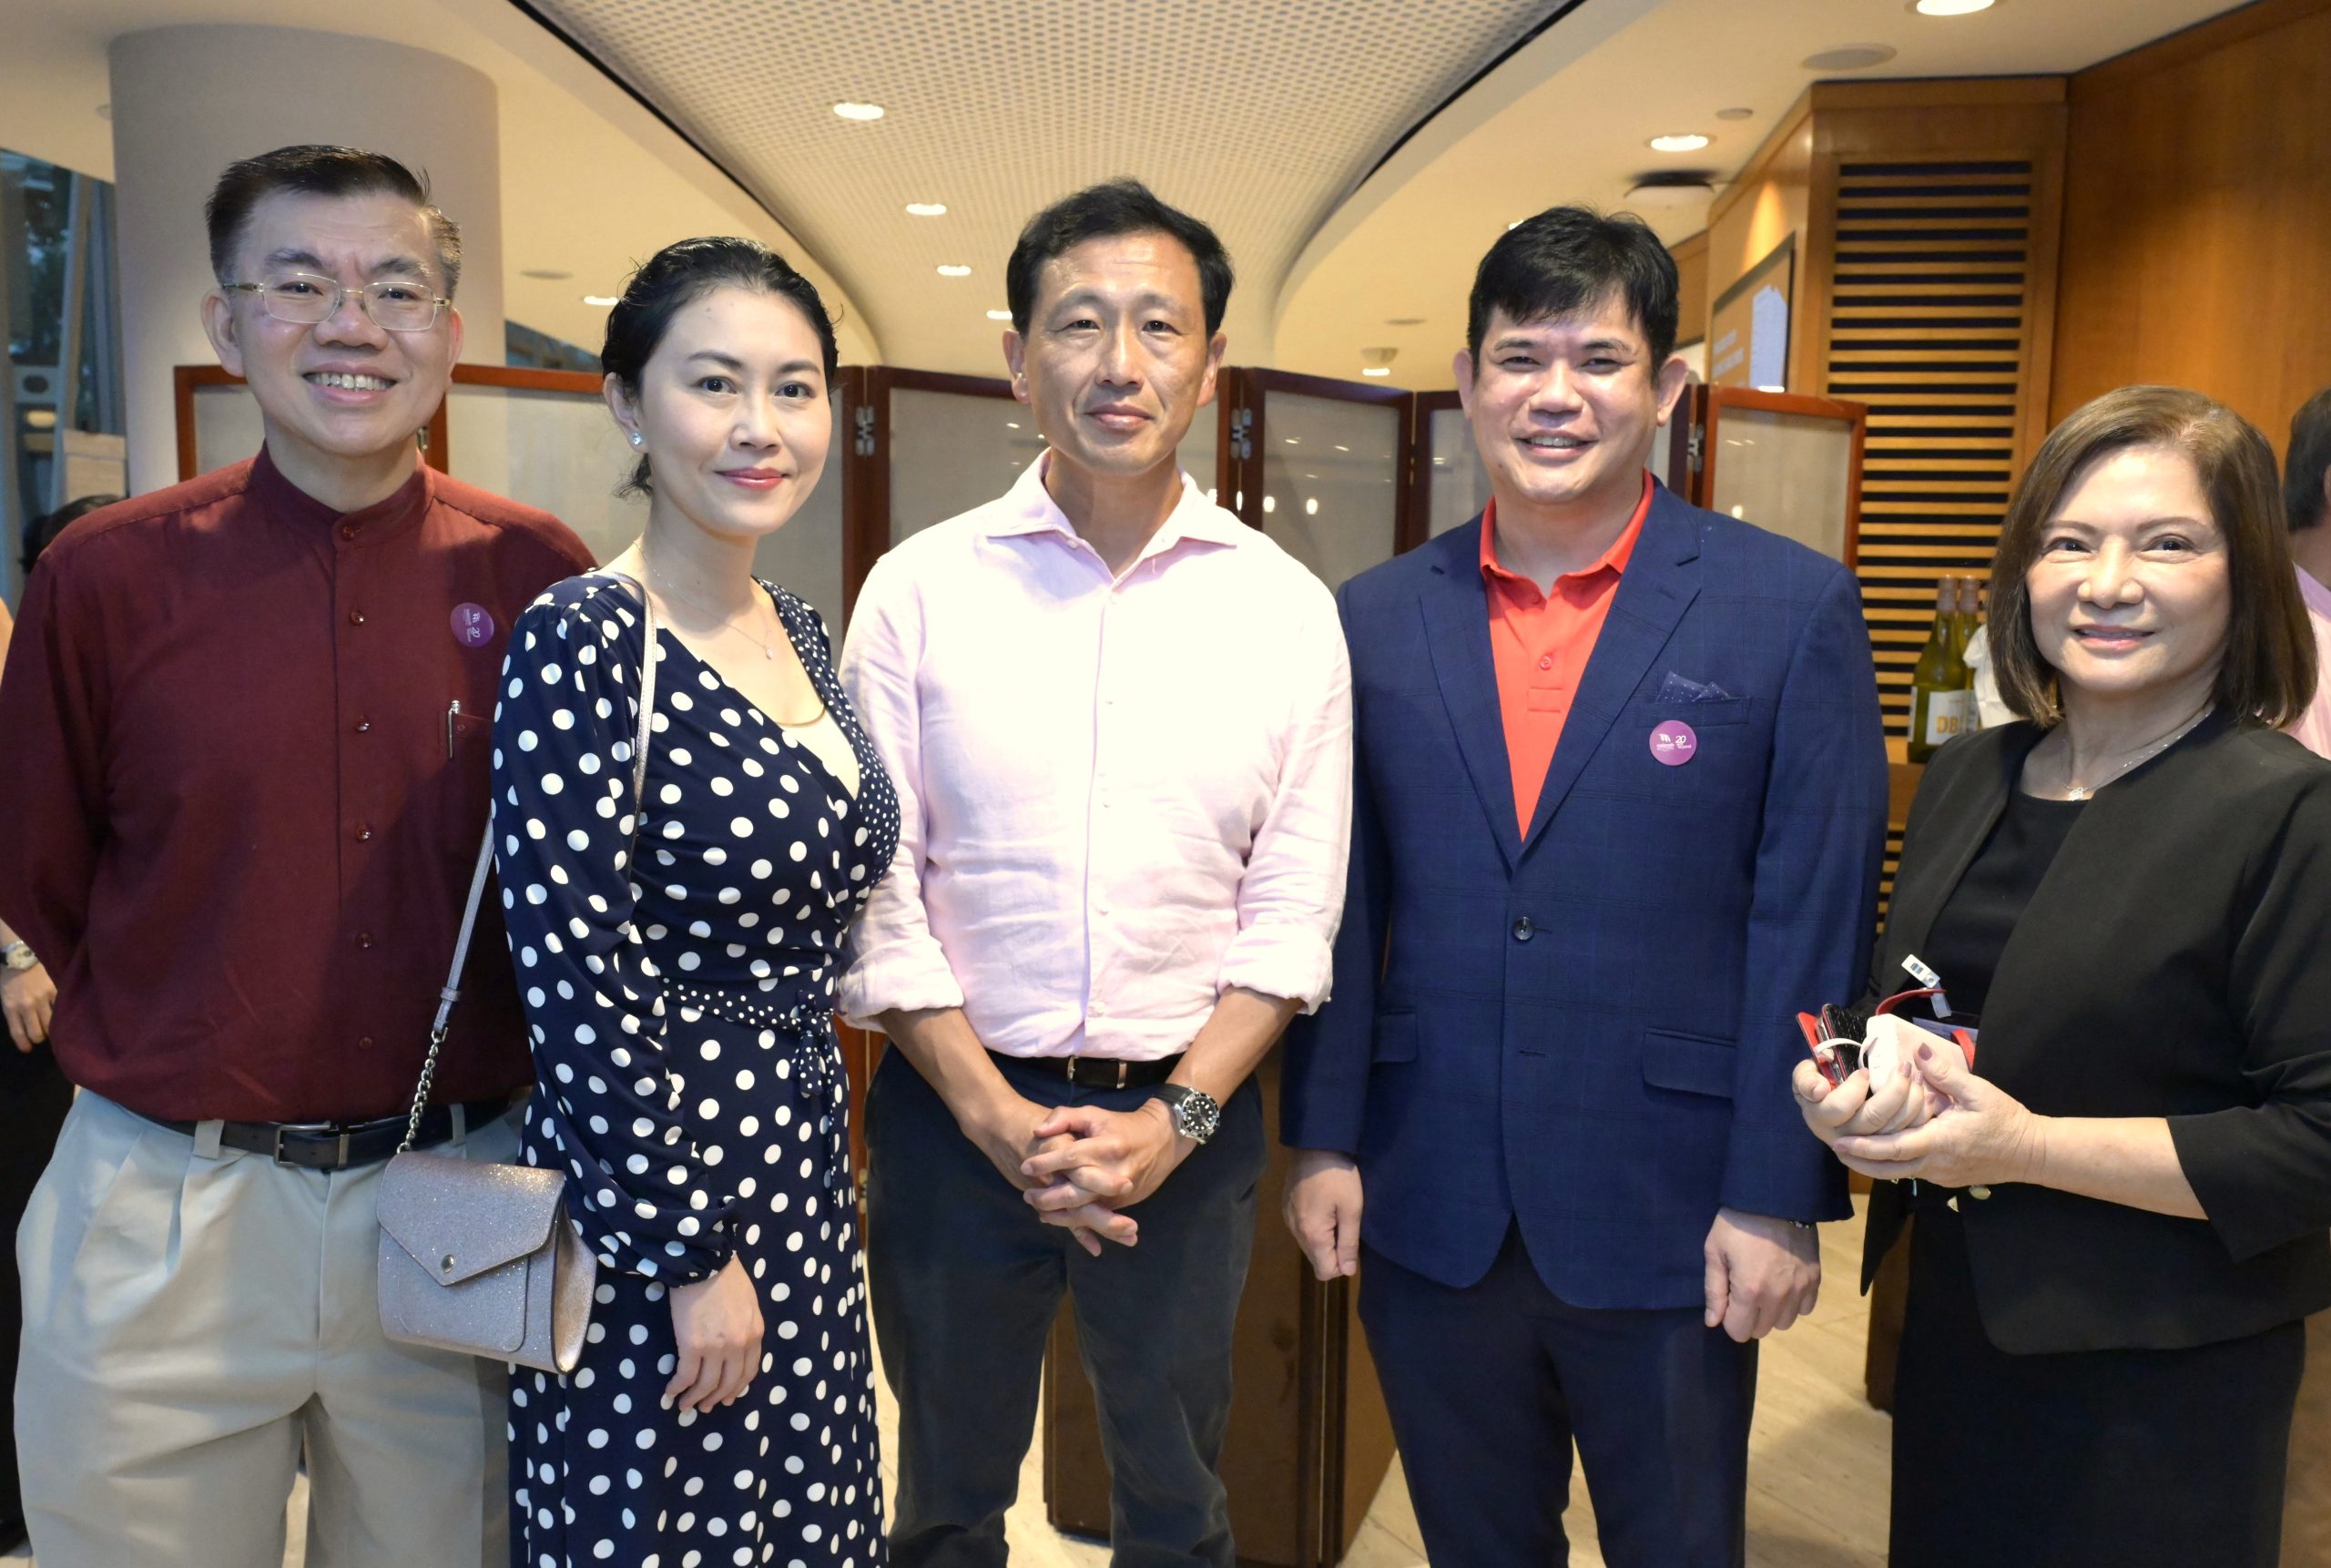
[1196,1114]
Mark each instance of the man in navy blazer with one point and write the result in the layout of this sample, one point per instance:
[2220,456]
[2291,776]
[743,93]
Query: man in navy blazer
[1620,803]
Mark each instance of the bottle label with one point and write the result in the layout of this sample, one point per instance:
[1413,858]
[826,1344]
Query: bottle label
[1946,716]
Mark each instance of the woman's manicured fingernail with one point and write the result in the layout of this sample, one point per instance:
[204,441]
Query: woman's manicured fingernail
[1926,1053]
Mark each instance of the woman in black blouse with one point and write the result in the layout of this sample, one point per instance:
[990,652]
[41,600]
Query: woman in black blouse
[2121,1204]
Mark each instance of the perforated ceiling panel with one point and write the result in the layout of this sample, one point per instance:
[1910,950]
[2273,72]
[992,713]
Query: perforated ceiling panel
[1259,115]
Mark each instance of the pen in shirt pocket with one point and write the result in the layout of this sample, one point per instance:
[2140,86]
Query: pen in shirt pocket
[453,712]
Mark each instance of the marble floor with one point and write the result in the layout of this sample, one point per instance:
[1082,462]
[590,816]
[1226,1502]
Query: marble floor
[1816,1471]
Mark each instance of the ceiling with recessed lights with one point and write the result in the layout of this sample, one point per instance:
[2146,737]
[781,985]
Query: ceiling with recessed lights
[1258,117]
[1562,123]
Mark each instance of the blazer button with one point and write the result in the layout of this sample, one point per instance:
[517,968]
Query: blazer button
[1523,929]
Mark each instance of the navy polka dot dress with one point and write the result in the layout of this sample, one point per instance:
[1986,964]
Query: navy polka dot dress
[690,1084]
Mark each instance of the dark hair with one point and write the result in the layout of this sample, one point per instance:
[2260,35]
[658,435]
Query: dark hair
[2308,460]
[684,271]
[1101,212]
[314,171]
[2269,672]
[1569,259]
[41,532]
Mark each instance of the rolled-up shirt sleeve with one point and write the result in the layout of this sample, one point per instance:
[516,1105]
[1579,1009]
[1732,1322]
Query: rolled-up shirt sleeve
[896,963]
[1291,899]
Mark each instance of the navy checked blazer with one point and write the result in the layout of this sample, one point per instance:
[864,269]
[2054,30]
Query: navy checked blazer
[1589,1028]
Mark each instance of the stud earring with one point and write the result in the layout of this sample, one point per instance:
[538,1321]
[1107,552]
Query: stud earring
[637,439]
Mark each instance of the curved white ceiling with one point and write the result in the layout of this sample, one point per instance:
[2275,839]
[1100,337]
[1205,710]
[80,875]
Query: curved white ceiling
[1257,115]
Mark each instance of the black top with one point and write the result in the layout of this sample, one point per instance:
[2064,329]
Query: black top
[2170,962]
[1974,926]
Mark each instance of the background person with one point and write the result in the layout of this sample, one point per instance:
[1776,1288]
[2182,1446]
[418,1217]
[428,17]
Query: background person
[243,745]
[1120,723]
[687,1077]
[1621,806]
[2121,1207]
[36,1093]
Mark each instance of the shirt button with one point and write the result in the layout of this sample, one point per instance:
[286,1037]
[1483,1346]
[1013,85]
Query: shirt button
[1545,661]
[364,939]
[364,832]
[1098,1010]
[348,531]
[355,617]
[1523,929]
[363,727]
[365,1044]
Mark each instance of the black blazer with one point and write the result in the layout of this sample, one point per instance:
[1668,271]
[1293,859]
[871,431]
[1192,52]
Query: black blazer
[2175,962]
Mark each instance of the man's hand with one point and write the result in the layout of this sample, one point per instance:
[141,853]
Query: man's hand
[1763,1273]
[1013,1131]
[1110,1158]
[1322,1208]
[28,998]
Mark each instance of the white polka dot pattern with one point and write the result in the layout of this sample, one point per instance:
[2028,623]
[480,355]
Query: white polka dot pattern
[687,1082]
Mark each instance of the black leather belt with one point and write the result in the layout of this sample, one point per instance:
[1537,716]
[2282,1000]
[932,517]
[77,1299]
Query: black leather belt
[1095,1072]
[342,1145]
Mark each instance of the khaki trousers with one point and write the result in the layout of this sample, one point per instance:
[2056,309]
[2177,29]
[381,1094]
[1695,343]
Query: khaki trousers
[2306,1494]
[195,1318]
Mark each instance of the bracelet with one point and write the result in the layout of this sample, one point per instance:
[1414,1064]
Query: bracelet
[9,960]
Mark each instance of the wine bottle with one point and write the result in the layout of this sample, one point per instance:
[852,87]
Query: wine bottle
[1938,695]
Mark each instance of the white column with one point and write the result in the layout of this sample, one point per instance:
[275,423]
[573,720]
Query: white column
[188,101]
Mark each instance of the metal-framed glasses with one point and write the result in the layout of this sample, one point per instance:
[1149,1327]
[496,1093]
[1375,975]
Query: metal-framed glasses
[303,299]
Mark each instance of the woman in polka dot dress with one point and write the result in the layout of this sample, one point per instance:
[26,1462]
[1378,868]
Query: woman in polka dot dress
[677,968]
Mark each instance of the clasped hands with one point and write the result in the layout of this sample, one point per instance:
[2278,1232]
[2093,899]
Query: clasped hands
[1080,1165]
[1915,1108]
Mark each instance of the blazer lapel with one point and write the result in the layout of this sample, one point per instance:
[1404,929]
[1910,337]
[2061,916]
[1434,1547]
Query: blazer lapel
[1456,629]
[1956,830]
[1659,583]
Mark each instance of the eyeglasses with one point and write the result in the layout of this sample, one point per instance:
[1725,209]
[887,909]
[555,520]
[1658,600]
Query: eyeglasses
[305,299]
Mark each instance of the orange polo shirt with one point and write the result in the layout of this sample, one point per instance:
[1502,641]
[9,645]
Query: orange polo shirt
[1541,646]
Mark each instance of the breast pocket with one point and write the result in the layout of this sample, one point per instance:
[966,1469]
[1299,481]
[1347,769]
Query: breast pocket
[466,780]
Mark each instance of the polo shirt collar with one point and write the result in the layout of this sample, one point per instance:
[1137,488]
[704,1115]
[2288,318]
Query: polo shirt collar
[1613,560]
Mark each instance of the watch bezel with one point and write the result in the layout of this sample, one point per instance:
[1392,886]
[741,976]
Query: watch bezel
[1197,1115]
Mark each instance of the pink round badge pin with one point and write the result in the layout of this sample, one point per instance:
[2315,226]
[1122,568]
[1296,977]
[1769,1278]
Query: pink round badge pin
[473,625]
[1672,742]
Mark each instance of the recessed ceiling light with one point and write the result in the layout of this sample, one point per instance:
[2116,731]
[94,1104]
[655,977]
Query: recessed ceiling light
[1952,7]
[1375,370]
[999,315]
[859,111]
[927,209]
[601,300]
[1736,114]
[953,270]
[547,274]
[1852,57]
[1685,143]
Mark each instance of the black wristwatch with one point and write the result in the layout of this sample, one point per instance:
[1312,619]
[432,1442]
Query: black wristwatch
[1194,1112]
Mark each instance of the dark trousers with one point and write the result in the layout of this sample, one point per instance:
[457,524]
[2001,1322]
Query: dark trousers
[1488,1385]
[965,1283]
[37,1096]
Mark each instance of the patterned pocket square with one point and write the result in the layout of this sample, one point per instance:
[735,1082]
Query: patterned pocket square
[1675,688]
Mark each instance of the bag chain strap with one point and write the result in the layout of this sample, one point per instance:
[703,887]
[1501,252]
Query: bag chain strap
[451,989]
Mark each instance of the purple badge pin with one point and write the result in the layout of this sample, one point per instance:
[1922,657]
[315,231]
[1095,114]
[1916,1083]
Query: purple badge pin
[473,625]
[1673,742]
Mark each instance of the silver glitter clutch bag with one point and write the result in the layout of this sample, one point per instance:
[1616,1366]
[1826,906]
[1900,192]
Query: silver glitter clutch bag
[481,1258]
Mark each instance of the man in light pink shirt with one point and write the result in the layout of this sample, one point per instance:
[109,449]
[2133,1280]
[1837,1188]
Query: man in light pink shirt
[1119,722]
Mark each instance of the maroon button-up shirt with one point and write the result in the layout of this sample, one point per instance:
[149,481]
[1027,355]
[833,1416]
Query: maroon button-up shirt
[237,807]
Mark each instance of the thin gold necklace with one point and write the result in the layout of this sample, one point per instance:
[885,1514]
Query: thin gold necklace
[768,650]
[2076,790]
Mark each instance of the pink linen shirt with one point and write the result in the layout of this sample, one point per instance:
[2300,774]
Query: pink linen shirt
[1117,798]
[2313,729]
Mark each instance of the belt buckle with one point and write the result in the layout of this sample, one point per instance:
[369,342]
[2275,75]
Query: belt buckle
[1119,1062]
[340,1156]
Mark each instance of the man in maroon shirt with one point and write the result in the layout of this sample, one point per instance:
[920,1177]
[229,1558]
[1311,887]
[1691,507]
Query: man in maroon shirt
[243,741]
